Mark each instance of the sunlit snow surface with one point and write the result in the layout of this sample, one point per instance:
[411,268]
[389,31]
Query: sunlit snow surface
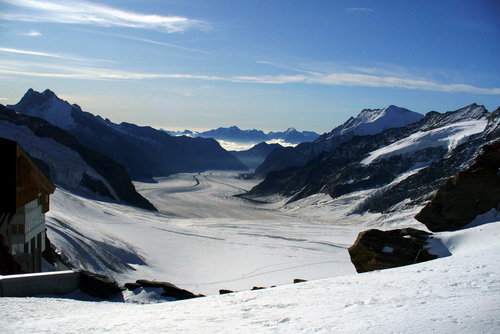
[448,137]
[455,294]
[204,239]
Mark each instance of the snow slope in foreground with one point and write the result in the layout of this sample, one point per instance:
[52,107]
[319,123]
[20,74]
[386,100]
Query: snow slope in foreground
[455,294]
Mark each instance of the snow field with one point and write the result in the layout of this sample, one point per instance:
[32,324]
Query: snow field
[456,294]
[203,239]
[448,137]
[260,244]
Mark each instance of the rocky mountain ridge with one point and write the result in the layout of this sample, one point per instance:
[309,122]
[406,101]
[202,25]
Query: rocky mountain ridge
[145,152]
[368,122]
[342,170]
[68,163]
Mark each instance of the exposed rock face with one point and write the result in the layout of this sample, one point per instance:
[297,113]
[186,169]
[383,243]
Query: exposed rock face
[468,194]
[375,249]
[368,122]
[224,291]
[169,290]
[114,174]
[431,155]
[299,280]
[419,188]
[98,285]
[132,286]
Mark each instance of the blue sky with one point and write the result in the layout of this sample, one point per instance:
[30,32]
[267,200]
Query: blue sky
[269,65]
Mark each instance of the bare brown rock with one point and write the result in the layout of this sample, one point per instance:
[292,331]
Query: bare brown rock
[375,249]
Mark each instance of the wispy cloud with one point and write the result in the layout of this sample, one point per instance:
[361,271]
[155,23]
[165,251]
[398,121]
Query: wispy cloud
[32,33]
[89,13]
[331,79]
[149,41]
[358,10]
[285,67]
[354,79]
[53,55]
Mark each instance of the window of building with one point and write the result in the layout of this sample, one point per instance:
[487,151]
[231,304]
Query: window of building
[17,249]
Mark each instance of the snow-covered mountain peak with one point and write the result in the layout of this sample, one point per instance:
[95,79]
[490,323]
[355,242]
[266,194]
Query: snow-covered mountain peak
[471,112]
[373,121]
[48,106]
[369,115]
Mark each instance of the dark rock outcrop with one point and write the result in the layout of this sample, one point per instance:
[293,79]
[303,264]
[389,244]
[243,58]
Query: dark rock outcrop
[375,249]
[97,285]
[466,195]
[169,290]
[224,291]
[131,286]
[299,280]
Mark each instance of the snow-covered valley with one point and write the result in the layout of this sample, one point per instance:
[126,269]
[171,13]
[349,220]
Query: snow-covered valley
[204,239]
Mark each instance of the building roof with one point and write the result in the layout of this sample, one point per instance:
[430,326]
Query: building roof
[21,181]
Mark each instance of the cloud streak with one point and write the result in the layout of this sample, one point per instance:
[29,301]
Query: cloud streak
[150,41]
[52,55]
[89,13]
[32,33]
[330,79]
[358,10]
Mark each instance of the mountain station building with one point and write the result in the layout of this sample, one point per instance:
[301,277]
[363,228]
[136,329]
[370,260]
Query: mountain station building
[24,200]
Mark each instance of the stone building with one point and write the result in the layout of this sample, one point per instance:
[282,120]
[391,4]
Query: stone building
[24,200]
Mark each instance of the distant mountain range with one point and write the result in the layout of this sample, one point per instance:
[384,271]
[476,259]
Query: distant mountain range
[145,152]
[404,164]
[235,134]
